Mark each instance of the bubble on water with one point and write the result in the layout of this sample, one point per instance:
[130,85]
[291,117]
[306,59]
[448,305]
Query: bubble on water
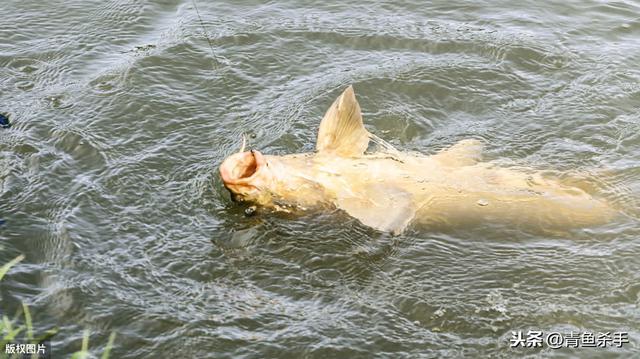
[250,211]
[497,302]
[482,202]
[440,312]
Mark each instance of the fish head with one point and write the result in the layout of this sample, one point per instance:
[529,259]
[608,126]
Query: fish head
[290,180]
[277,182]
[303,181]
[247,176]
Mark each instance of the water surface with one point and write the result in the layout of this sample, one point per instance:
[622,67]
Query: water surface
[121,115]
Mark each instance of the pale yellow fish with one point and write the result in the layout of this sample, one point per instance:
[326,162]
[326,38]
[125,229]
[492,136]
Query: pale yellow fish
[389,189]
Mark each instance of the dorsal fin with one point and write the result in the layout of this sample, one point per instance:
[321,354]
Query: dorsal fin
[341,130]
[464,153]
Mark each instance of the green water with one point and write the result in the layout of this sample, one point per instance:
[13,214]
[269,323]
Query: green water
[121,116]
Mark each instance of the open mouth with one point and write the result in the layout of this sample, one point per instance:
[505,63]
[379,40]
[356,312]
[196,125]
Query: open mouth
[241,167]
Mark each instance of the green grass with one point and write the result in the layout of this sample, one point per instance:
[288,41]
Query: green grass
[5,268]
[11,329]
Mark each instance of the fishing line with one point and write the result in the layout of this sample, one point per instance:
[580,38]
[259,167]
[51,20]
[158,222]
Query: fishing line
[214,61]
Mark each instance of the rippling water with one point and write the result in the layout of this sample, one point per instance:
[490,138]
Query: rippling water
[121,115]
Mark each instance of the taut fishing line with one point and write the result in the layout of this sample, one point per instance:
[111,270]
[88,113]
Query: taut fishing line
[214,61]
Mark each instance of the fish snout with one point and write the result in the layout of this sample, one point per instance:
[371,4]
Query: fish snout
[240,172]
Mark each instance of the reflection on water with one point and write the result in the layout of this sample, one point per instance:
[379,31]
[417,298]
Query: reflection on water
[108,177]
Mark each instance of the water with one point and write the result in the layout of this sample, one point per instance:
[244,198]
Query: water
[121,115]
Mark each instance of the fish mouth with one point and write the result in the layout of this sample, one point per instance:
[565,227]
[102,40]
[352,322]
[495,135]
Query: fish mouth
[241,168]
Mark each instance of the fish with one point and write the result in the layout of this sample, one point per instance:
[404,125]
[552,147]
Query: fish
[388,190]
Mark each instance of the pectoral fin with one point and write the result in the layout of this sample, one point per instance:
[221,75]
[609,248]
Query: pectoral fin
[385,208]
[464,153]
[341,130]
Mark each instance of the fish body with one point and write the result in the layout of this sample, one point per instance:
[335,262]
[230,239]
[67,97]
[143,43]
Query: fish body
[389,189]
